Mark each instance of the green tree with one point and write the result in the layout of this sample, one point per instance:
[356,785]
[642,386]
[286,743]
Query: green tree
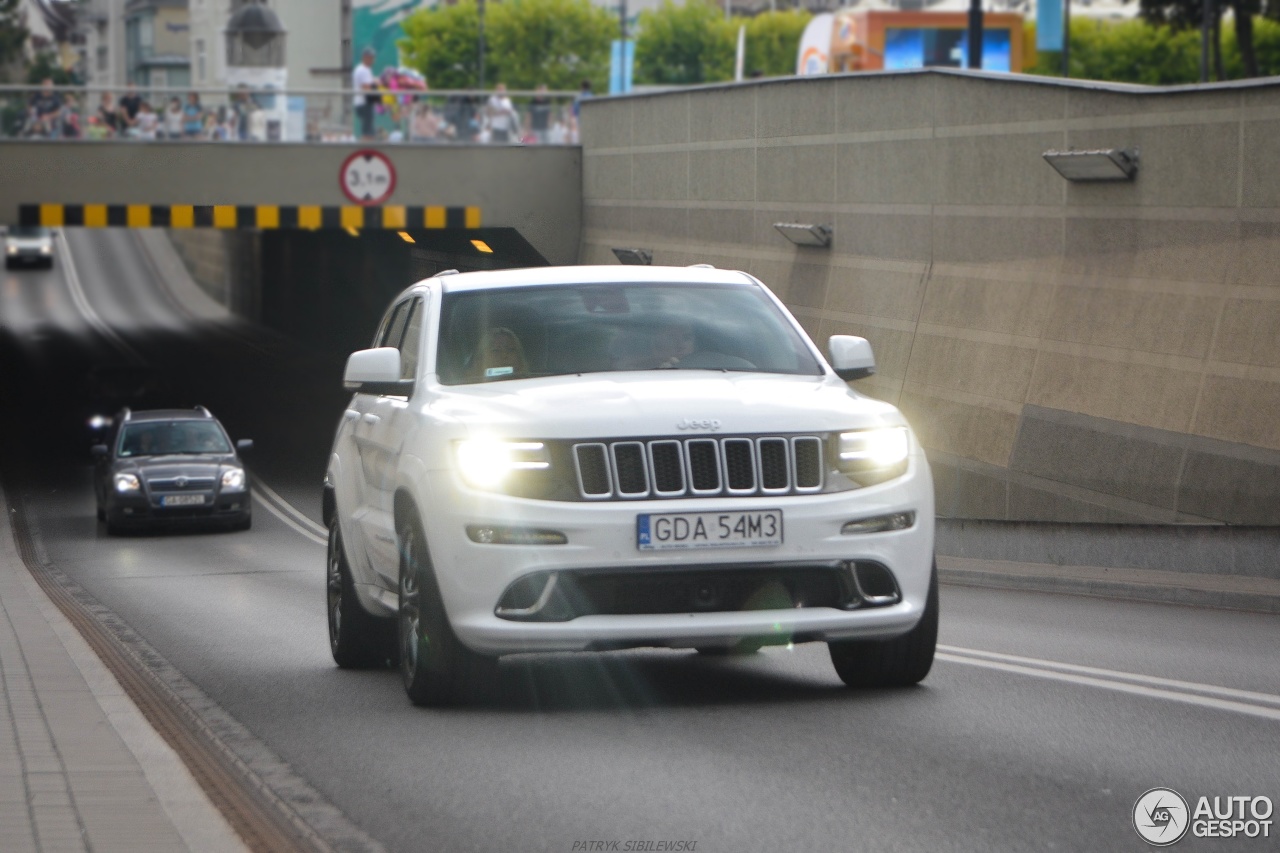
[46,66]
[773,38]
[1128,52]
[557,42]
[692,43]
[442,43]
[13,32]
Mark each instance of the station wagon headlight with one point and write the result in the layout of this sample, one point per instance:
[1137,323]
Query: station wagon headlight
[233,479]
[487,463]
[872,456]
[46,249]
[127,483]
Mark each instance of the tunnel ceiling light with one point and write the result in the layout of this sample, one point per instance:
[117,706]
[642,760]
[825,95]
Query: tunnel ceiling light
[405,236]
[1099,164]
[482,246]
[805,234]
[636,257]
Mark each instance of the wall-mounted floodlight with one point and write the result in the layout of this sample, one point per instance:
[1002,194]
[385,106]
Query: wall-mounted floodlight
[636,257]
[1099,164]
[803,234]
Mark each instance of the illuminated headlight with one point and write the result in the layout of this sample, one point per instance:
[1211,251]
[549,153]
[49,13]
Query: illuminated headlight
[487,463]
[46,249]
[874,455]
[233,479]
[11,249]
[127,483]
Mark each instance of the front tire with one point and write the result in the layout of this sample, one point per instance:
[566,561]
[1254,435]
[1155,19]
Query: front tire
[357,639]
[899,662]
[436,668]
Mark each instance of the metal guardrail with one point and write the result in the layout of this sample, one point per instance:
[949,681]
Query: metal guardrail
[243,114]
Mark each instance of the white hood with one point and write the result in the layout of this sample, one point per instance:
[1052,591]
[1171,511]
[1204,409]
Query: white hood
[656,403]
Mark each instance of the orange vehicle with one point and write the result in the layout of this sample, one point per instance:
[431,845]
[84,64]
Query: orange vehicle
[875,40]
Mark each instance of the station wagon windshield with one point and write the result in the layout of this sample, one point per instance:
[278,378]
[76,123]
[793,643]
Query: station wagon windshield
[515,333]
[160,438]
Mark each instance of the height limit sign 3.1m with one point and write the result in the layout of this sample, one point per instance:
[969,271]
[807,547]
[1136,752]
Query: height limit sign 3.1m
[367,177]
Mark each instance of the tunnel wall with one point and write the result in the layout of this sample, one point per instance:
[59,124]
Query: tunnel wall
[1067,352]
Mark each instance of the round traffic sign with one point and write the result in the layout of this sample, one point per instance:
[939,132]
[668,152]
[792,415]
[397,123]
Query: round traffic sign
[367,177]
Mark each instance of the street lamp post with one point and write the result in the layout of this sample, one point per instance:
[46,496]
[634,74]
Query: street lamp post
[480,40]
[975,34]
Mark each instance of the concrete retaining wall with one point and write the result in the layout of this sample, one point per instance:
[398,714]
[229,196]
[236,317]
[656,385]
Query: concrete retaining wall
[1066,351]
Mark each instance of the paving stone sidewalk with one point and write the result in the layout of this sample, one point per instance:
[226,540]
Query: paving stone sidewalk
[80,768]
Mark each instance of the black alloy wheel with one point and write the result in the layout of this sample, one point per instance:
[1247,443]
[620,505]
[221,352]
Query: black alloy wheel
[898,662]
[357,639]
[437,669]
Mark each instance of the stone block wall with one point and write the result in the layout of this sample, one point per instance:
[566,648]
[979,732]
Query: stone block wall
[1100,352]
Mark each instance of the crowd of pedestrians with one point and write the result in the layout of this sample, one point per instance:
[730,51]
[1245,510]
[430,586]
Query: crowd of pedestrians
[58,115]
[394,107]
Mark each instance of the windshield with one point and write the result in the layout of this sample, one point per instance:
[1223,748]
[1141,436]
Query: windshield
[28,232]
[495,335]
[159,438]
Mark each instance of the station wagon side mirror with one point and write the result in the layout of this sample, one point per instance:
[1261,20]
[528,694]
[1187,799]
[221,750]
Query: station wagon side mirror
[244,445]
[376,371]
[100,451]
[851,357]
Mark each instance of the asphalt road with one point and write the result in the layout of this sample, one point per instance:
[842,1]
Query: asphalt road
[1044,719]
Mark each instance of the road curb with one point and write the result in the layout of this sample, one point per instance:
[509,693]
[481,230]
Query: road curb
[1227,592]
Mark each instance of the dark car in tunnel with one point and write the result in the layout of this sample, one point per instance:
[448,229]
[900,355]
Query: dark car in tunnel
[170,466]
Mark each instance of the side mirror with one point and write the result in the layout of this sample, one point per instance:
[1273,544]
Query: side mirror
[851,357]
[100,451]
[376,371]
[244,445]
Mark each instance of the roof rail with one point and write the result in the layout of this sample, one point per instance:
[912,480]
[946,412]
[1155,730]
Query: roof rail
[445,272]
[202,410]
[701,266]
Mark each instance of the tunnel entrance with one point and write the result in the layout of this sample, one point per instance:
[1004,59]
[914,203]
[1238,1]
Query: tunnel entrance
[330,287]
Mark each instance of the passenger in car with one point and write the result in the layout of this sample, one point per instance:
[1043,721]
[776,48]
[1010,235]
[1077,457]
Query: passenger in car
[499,355]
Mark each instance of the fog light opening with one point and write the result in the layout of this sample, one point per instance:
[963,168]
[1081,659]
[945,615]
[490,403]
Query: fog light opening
[524,598]
[875,584]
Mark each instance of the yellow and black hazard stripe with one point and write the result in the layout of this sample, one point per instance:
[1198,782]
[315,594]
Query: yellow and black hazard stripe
[305,216]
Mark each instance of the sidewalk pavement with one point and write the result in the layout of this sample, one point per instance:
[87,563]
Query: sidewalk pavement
[1232,592]
[80,767]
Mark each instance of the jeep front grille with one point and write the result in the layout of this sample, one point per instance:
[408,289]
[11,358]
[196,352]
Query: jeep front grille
[697,467]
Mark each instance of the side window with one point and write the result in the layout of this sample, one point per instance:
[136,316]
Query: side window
[412,343]
[394,329]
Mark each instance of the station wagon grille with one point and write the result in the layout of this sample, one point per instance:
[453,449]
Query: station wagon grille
[181,484]
[697,467]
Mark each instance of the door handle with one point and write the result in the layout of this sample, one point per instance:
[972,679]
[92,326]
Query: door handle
[370,418]
[350,414]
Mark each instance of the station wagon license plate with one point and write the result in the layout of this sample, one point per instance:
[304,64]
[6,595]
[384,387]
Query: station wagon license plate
[679,530]
[182,500]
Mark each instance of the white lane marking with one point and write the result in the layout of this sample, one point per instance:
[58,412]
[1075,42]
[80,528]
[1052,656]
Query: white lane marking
[1171,683]
[86,310]
[1118,686]
[280,514]
[289,509]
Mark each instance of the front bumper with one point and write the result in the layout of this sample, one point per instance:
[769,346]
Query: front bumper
[142,510]
[473,577]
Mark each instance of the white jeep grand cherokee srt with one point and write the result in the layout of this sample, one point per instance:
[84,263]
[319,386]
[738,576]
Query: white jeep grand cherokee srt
[586,458]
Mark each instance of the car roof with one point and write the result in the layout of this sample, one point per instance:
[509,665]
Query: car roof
[168,415]
[602,274]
